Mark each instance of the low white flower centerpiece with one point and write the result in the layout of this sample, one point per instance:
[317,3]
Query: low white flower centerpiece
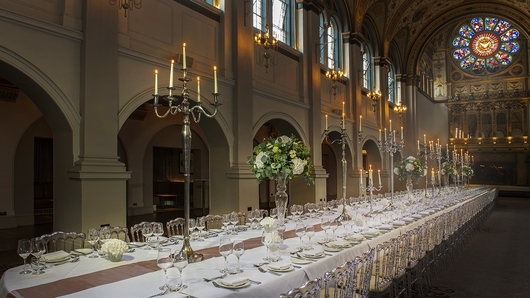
[268,224]
[114,248]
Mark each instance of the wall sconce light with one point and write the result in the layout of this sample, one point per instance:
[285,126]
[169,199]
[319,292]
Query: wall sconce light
[127,4]
[494,139]
[374,95]
[525,139]
[479,141]
[509,139]
[334,76]
[267,48]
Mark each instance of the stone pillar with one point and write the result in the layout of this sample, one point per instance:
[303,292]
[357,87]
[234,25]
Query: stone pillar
[99,189]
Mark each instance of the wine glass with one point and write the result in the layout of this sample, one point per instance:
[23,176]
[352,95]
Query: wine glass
[24,250]
[38,248]
[180,261]
[274,212]
[266,241]
[310,232]
[201,225]
[299,211]
[324,224]
[164,260]
[300,232]
[234,221]
[226,222]
[238,250]
[292,209]
[333,225]
[147,232]
[225,249]
[93,237]
[191,227]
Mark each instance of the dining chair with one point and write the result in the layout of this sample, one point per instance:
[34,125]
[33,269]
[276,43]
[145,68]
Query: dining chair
[136,232]
[310,289]
[175,227]
[121,233]
[341,281]
[383,269]
[413,273]
[400,265]
[364,273]
[214,221]
[67,242]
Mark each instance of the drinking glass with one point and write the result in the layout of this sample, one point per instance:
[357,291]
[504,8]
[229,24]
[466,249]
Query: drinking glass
[299,211]
[93,237]
[200,225]
[173,280]
[292,209]
[266,241]
[104,234]
[164,260]
[225,249]
[310,232]
[234,221]
[274,212]
[226,222]
[333,225]
[24,250]
[299,230]
[238,250]
[147,232]
[324,224]
[38,248]
[191,227]
[180,261]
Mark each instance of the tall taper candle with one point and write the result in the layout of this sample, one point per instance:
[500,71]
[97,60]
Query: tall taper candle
[390,126]
[171,75]
[184,56]
[385,134]
[402,132]
[326,122]
[156,82]
[418,145]
[379,135]
[425,140]
[379,175]
[370,176]
[198,89]
[215,80]
[360,123]
[361,175]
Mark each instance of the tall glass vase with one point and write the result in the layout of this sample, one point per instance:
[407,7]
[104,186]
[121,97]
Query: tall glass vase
[281,197]
[409,185]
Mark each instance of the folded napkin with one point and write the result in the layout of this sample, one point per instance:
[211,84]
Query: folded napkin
[233,281]
[372,232]
[56,256]
[416,216]
[280,265]
[424,213]
[339,243]
[356,238]
[314,252]
[408,219]
[398,223]
[83,251]
[386,227]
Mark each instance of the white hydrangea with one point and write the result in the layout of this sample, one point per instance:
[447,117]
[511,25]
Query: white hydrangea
[268,222]
[411,158]
[284,139]
[259,163]
[409,167]
[114,247]
[273,238]
[298,166]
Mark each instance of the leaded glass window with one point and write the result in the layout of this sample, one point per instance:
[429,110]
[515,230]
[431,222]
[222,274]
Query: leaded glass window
[485,45]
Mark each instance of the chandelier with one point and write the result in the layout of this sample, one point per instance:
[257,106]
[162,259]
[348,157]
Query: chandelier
[400,109]
[334,76]
[127,4]
[374,95]
[267,47]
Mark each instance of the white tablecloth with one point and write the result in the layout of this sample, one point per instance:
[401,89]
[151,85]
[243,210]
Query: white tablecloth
[146,284]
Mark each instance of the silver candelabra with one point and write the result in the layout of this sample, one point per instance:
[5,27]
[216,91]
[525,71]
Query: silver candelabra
[344,216]
[390,146]
[429,151]
[184,104]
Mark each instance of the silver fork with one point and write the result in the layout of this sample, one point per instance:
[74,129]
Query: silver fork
[267,271]
[214,278]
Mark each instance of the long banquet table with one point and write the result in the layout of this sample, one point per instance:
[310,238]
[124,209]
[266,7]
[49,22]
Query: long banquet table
[137,275]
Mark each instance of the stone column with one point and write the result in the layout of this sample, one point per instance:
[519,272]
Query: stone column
[99,178]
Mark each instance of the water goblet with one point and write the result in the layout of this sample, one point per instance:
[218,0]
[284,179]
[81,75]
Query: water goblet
[24,250]
[258,215]
[234,221]
[104,234]
[274,212]
[147,232]
[300,232]
[93,238]
[324,224]
[226,222]
[180,261]
[238,249]
[310,232]
[299,211]
[192,224]
[164,260]
[200,225]
[225,249]
[173,280]
[266,241]
[38,248]
[333,225]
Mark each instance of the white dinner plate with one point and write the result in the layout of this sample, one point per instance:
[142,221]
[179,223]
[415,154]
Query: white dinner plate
[286,269]
[300,261]
[246,284]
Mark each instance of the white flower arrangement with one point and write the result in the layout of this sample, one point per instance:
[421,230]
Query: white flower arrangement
[468,171]
[409,166]
[114,247]
[273,238]
[448,169]
[281,155]
[268,223]
[348,209]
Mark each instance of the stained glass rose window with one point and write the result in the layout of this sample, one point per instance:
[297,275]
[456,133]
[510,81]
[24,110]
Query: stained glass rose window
[487,44]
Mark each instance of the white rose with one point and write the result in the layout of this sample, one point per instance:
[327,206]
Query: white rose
[284,139]
[409,167]
[411,158]
[396,171]
[268,221]
[259,163]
